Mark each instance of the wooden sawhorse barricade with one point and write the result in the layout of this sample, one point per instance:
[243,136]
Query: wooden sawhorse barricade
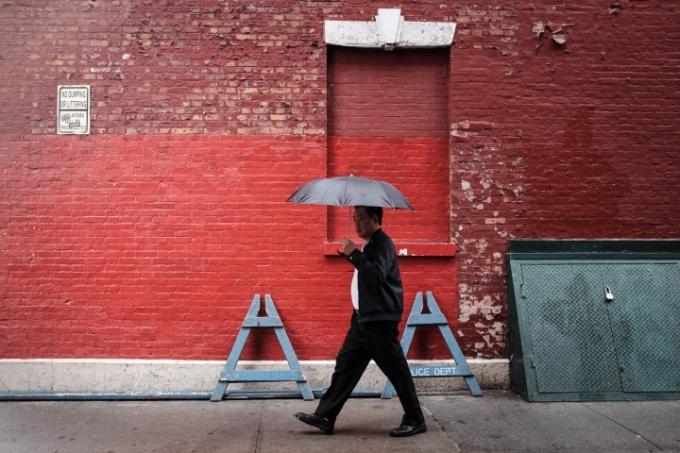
[252,321]
[434,318]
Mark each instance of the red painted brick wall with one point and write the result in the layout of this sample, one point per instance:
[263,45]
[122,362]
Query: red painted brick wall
[149,237]
[418,166]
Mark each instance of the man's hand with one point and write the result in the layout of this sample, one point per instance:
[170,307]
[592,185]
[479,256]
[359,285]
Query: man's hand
[348,246]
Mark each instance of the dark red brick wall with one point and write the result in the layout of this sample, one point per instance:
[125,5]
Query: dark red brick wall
[402,93]
[573,141]
[149,237]
[177,67]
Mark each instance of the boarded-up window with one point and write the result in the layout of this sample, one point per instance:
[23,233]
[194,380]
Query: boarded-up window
[388,119]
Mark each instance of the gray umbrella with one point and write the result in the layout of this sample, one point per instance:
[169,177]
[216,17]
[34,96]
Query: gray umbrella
[350,191]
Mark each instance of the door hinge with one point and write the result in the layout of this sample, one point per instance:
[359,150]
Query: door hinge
[522,291]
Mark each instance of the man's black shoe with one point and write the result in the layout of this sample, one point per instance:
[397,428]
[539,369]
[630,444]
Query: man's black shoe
[318,421]
[405,430]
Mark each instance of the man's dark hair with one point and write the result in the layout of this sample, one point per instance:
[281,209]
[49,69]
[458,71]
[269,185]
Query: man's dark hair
[374,210]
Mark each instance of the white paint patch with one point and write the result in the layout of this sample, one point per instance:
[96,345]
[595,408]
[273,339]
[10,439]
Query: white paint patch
[481,246]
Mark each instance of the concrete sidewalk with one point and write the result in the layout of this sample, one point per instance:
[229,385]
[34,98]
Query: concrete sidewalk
[497,422]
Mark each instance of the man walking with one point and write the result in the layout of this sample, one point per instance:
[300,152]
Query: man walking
[377,297]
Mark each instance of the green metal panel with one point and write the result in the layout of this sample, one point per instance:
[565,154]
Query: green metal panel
[645,315]
[573,349]
[594,320]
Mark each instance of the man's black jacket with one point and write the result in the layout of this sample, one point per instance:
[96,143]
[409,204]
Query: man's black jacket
[381,295]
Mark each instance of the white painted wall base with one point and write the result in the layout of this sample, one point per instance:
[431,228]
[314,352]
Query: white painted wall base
[96,375]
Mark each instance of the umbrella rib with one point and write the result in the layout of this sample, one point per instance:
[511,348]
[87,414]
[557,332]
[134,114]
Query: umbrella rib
[345,196]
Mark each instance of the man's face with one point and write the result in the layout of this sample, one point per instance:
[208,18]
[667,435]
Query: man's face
[364,224]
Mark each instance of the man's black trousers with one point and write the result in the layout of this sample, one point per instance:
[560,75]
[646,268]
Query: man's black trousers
[377,341]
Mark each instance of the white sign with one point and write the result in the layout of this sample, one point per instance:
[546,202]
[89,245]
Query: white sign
[73,109]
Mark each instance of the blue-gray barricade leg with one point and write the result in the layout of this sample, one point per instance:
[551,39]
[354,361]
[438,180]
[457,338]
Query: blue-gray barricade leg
[252,321]
[434,318]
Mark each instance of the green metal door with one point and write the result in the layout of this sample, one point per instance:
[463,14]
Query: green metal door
[645,315]
[571,338]
[594,320]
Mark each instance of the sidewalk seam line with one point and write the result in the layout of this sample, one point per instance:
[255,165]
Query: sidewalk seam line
[441,427]
[626,428]
[79,427]
[259,428]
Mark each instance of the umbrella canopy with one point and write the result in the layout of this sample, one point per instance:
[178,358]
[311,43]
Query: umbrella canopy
[350,191]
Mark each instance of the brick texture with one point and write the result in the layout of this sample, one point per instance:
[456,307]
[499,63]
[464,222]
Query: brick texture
[149,237]
[418,168]
[402,93]
[177,67]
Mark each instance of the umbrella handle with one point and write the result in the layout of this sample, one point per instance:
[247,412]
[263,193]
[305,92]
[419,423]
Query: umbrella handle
[349,222]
